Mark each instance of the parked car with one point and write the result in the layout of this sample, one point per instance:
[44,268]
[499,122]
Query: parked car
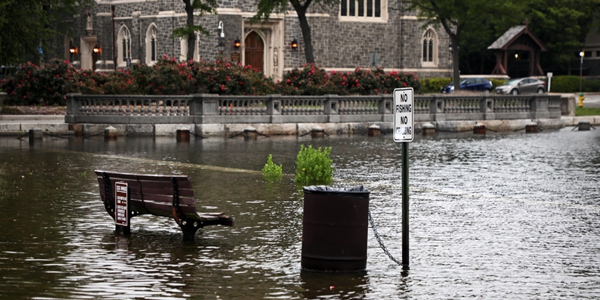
[472,84]
[522,86]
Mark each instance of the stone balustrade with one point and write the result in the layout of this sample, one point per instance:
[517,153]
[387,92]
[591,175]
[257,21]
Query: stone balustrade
[208,108]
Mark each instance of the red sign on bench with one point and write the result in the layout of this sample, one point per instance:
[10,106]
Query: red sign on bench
[121,203]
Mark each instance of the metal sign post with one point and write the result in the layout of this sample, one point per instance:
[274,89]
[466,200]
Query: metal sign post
[404,133]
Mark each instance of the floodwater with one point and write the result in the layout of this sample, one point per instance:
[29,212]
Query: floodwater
[500,216]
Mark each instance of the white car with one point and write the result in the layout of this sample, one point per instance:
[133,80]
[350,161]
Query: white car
[522,86]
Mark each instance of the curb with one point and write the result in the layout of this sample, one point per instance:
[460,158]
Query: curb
[32,118]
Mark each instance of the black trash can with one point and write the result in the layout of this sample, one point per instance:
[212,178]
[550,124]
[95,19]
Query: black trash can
[335,229]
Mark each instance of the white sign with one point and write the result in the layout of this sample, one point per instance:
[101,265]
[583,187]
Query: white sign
[121,204]
[403,114]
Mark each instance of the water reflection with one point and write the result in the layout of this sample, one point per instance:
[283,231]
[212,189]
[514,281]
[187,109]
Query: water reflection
[493,216]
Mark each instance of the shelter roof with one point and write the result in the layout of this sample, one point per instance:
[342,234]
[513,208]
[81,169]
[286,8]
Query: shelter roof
[511,35]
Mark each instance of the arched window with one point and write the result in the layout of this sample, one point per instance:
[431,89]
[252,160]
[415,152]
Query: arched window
[184,48]
[430,48]
[123,46]
[151,45]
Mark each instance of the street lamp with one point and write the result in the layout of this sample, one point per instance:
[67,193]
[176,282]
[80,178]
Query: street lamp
[581,54]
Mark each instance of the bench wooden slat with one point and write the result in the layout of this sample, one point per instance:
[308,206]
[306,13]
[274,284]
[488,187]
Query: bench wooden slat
[153,194]
[184,186]
[134,188]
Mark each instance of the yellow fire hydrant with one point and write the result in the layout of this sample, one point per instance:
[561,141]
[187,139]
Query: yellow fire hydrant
[581,98]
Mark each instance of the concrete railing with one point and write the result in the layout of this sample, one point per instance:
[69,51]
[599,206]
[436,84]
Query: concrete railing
[215,109]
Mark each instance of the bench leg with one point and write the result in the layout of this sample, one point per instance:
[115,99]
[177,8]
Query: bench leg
[189,230]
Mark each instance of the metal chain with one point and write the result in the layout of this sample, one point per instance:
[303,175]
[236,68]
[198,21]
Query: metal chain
[385,250]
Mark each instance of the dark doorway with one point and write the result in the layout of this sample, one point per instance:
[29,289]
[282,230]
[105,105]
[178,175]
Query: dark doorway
[518,64]
[254,51]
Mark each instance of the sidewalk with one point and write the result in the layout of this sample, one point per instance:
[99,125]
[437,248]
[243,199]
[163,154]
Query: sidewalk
[11,125]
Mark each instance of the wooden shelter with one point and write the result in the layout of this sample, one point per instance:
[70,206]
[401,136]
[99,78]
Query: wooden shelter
[518,39]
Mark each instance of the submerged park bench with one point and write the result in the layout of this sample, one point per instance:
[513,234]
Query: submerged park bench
[126,195]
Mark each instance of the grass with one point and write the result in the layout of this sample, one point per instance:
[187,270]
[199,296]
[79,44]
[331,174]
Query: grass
[7,110]
[587,111]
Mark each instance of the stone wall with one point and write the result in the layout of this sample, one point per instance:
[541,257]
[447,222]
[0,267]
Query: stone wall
[337,44]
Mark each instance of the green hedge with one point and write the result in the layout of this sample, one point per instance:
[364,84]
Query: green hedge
[434,85]
[570,84]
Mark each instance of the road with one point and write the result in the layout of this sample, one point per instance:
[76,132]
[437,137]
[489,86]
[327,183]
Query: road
[590,100]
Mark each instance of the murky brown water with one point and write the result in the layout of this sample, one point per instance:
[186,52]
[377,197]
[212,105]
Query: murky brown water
[497,216]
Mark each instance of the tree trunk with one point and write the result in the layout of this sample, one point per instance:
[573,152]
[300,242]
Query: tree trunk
[455,63]
[191,38]
[306,35]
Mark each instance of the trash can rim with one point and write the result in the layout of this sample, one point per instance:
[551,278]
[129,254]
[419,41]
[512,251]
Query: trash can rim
[359,189]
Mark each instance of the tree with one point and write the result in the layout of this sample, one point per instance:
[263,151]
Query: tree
[562,26]
[26,26]
[266,7]
[474,54]
[22,28]
[458,17]
[189,30]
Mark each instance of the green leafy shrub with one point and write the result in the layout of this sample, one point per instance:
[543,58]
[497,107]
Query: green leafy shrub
[271,171]
[570,84]
[592,85]
[434,85]
[497,83]
[565,84]
[313,166]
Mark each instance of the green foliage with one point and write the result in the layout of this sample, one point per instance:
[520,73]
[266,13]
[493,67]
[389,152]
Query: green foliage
[497,82]
[562,26]
[570,84]
[26,25]
[271,171]
[565,84]
[434,85]
[313,166]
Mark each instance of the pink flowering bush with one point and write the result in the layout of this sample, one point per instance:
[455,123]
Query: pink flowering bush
[224,78]
[166,77]
[32,85]
[311,80]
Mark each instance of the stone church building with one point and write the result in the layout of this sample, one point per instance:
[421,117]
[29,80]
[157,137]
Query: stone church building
[356,33]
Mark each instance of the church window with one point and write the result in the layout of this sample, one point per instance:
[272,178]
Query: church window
[123,46]
[429,51]
[363,10]
[151,45]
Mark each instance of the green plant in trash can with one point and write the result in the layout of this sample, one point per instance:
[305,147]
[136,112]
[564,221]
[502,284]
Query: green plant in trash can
[313,166]
[272,171]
